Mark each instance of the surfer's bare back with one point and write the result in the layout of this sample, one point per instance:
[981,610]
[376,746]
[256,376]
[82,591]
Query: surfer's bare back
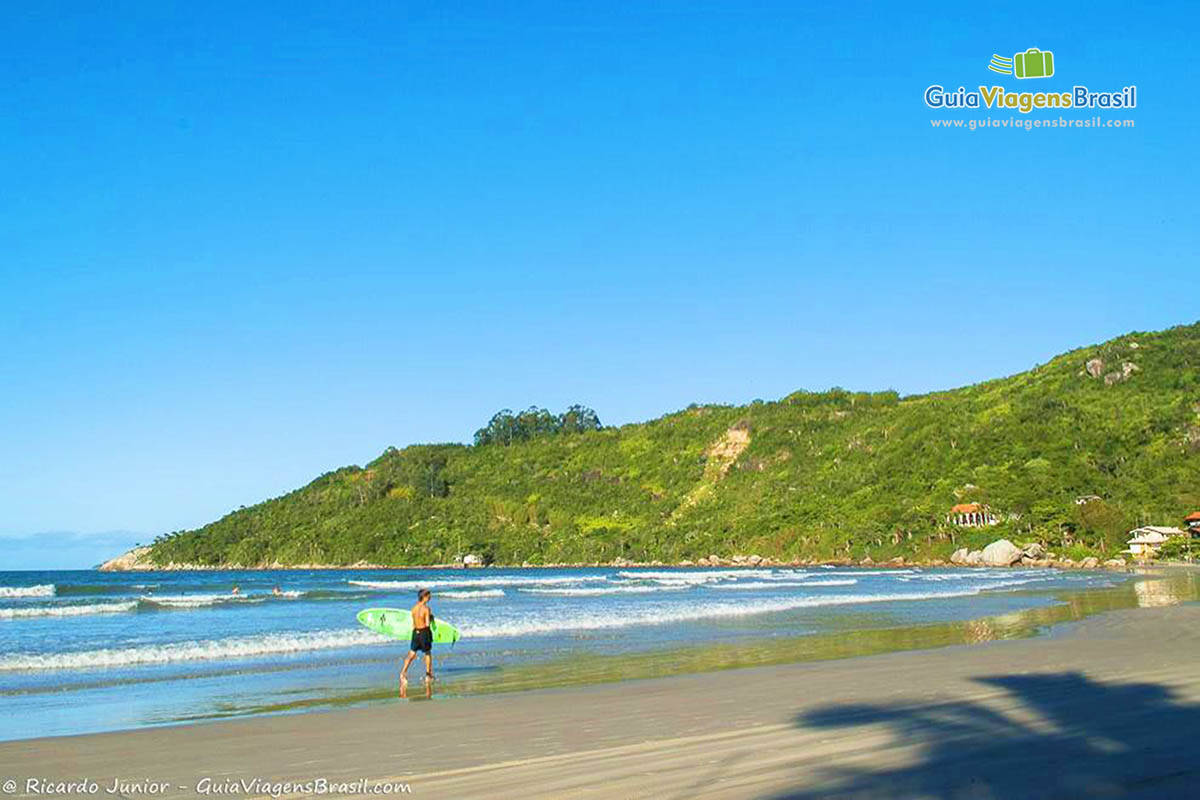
[422,638]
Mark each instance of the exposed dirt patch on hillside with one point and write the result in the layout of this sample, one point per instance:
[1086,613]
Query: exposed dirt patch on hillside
[725,451]
[720,456]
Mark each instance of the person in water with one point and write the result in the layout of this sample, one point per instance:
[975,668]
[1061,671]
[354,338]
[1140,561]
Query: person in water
[236,590]
[422,638]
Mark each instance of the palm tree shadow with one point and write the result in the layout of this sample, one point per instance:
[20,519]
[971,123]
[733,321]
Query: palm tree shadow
[1056,735]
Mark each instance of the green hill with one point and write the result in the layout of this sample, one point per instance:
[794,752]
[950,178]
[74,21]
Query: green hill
[815,475]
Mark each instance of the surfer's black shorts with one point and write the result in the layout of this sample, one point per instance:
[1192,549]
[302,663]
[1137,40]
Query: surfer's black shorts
[422,640]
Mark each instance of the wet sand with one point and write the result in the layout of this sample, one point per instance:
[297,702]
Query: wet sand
[1105,707]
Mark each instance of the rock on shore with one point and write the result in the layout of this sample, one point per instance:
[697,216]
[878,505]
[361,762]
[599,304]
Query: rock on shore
[1003,553]
[1000,553]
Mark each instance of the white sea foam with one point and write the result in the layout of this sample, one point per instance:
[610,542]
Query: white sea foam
[658,614]
[675,582]
[590,591]
[472,594]
[41,590]
[858,572]
[207,600]
[204,650]
[989,576]
[789,575]
[1002,584]
[708,575]
[67,611]
[778,584]
[200,600]
[498,580]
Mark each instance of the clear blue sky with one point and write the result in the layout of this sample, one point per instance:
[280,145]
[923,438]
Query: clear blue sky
[243,245]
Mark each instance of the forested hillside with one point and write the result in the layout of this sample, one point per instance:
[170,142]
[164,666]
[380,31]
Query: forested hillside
[813,475]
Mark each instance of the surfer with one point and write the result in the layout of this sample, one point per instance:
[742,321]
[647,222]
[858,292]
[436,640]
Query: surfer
[236,591]
[422,638]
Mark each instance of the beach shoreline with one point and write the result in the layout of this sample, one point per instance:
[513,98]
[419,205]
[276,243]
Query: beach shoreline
[124,564]
[786,730]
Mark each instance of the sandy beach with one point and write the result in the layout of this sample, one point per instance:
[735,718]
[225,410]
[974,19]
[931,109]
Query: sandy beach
[1105,707]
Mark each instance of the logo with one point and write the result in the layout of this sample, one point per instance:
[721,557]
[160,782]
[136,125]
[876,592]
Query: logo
[1033,63]
[1001,64]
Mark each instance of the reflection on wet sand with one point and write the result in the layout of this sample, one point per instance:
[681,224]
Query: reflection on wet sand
[1153,592]
[425,693]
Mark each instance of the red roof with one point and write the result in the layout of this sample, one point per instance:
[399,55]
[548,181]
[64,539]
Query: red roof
[1192,517]
[966,508]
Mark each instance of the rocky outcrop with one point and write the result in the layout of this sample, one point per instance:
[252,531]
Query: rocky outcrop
[1000,553]
[136,559]
[1003,553]
[1127,369]
[1033,550]
[1095,369]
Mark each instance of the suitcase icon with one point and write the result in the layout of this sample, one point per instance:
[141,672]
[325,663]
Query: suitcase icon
[1033,63]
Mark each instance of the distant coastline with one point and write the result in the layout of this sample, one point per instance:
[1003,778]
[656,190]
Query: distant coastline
[133,561]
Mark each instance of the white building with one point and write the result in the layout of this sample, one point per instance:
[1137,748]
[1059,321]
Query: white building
[1148,539]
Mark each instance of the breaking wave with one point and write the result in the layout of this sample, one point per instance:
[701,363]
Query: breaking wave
[199,600]
[897,571]
[499,580]
[207,600]
[596,591]
[659,615]
[68,611]
[41,590]
[706,575]
[778,584]
[215,649]
[472,594]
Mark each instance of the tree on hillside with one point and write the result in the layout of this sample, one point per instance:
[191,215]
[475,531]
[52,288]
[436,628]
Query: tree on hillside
[505,427]
[578,419]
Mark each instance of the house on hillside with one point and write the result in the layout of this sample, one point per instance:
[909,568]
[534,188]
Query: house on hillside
[1149,539]
[1087,498]
[1192,523]
[971,515]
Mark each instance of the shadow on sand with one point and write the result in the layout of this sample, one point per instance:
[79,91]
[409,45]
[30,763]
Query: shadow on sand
[1055,735]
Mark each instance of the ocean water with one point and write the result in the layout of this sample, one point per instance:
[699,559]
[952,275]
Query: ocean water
[84,651]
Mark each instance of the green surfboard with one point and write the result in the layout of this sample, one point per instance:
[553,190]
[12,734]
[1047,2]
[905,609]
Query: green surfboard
[397,623]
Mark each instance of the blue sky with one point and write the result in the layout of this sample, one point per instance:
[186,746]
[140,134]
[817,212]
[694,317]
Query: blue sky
[242,245]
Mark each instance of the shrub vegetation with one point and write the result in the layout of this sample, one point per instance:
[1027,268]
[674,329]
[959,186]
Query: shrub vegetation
[826,475]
